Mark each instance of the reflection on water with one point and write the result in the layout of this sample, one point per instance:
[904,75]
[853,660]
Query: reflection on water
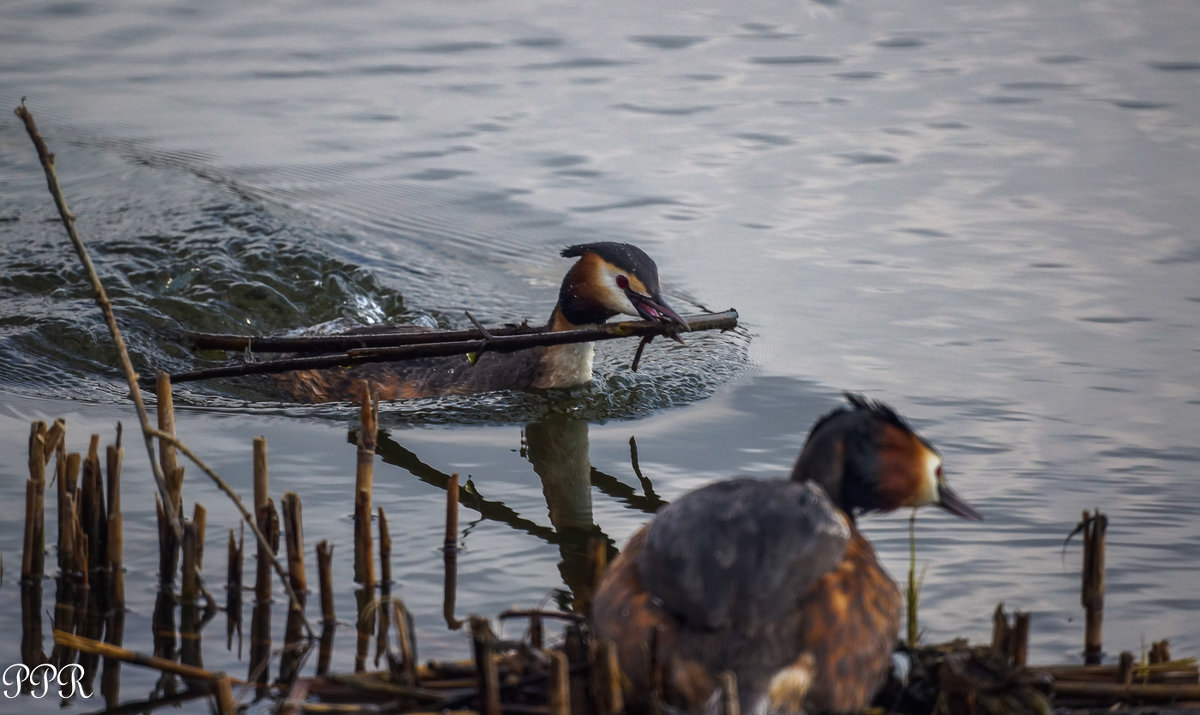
[557,448]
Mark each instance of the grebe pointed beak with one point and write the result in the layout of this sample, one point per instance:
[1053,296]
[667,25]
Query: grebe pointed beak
[949,500]
[653,307]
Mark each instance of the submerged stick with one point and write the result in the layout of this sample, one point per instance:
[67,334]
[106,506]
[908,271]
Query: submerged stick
[496,343]
[101,297]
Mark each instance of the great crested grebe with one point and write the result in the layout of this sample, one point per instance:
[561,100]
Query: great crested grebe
[771,579]
[609,278]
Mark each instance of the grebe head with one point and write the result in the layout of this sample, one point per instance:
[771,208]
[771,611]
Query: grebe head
[611,278]
[867,458]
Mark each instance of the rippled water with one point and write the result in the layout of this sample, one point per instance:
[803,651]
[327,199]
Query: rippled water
[984,215]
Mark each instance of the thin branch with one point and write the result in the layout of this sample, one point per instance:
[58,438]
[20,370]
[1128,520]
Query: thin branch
[637,356]
[487,334]
[246,516]
[497,343]
[365,337]
[131,377]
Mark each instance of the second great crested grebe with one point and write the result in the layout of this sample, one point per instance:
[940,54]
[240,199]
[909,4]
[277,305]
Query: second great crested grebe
[608,279]
[771,580]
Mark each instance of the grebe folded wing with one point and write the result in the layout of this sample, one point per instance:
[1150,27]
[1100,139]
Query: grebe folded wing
[740,549]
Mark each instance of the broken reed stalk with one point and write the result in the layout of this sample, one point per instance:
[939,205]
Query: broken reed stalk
[233,589]
[1092,592]
[385,549]
[114,556]
[93,514]
[56,436]
[325,578]
[247,517]
[169,544]
[1125,668]
[487,677]
[68,219]
[558,685]
[480,344]
[262,478]
[70,535]
[33,556]
[1160,652]
[294,537]
[364,567]
[1020,642]
[262,516]
[450,555]
[189,587]
[1011,639]
[385,586]
[189,592]
[172,470]
[200,519]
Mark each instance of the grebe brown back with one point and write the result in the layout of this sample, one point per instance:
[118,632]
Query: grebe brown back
[608,279]
[771,579]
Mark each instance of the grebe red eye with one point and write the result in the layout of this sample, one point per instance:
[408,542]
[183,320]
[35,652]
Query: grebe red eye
[622,282]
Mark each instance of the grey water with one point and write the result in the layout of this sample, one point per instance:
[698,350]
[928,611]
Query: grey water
[984,215]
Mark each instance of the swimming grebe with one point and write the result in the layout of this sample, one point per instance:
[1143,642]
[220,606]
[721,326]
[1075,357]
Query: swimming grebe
[771,579]
[609,278]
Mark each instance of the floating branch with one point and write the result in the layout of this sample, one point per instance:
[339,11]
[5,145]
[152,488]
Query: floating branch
[498,342]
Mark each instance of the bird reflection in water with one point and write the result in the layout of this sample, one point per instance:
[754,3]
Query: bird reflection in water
[556,446]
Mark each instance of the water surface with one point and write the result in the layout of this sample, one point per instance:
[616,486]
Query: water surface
[982,215]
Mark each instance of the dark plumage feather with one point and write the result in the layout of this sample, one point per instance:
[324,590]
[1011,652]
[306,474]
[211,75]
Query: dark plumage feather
[625,256]
[726,553]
